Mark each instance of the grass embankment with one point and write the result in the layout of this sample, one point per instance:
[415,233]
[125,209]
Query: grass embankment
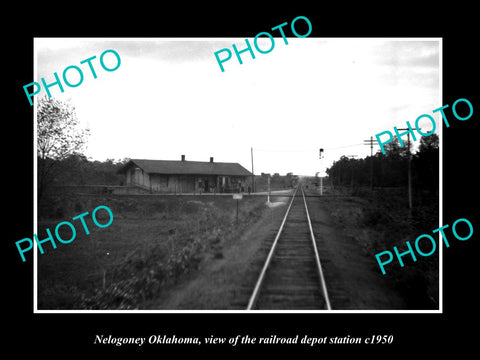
[154,243]
[379,220]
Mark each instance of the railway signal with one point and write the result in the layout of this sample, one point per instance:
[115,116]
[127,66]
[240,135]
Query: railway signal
[320,154]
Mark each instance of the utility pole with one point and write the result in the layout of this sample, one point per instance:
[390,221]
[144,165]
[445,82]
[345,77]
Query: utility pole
[371,142]
[253,174]
[351,172]
[409,172]
[268,196]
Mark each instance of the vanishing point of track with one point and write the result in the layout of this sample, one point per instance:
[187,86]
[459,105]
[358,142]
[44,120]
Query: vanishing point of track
[292,276]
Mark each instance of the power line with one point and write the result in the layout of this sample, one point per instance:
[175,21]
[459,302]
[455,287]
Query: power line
[342,147]
[306,150]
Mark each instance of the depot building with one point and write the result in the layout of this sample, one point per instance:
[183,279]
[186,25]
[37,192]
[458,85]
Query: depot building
[182,176]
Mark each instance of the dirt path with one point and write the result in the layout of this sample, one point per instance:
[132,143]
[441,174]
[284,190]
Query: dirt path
[352,277]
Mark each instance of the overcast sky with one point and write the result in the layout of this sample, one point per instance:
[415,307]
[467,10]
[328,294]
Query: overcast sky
[169,97]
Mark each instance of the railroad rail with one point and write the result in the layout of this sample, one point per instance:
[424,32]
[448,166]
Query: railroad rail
[292,276]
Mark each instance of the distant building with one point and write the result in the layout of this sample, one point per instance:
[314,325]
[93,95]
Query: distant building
[170,176]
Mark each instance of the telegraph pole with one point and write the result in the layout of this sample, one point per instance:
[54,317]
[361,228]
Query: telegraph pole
[351,172]
[268,196]
[409,172]
[371,142]
[253,174]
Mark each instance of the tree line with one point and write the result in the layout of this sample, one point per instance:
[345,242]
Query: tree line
[391,169]
[277,181]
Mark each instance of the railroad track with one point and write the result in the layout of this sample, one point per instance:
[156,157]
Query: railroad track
[292,276]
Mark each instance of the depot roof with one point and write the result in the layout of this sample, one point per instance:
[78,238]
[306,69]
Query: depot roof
[184,167]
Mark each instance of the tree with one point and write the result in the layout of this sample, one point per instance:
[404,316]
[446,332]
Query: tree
[396,152]
[58,137]
[426,163]
[428,143]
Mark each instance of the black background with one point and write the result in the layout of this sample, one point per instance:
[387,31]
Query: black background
[71,334]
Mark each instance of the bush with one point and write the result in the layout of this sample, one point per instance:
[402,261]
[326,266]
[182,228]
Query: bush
[157,242]
[376,216]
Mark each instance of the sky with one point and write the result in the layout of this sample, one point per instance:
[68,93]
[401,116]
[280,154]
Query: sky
[169,97]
